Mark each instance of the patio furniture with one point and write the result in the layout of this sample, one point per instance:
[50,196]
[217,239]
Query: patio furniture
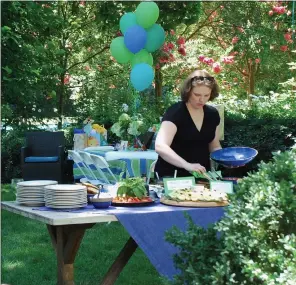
[43,156]
[98,175]
[102,165]
[79,162]
[151,170]
[131,163]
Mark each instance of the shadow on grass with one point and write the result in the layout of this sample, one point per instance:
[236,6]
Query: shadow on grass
[29,259]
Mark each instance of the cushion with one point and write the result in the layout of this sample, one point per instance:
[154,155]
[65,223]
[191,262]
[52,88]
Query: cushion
[41,159]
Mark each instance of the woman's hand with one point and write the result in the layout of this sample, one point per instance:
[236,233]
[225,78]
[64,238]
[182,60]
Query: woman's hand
[195,167]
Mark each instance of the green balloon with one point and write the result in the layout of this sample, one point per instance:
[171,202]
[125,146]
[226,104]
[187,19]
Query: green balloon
[155,38]
[119,51]
[147,14]
[142,57]
[126,21]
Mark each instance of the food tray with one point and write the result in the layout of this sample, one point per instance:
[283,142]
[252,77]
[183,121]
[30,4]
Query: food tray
[201,204]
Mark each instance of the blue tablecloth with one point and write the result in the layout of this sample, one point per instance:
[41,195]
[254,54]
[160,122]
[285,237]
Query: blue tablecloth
[147,226]
[148,230]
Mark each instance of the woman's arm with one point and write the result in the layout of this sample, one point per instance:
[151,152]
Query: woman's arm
[163,142]
[215,143]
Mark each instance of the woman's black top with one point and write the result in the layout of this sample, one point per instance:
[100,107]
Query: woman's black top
[189,143]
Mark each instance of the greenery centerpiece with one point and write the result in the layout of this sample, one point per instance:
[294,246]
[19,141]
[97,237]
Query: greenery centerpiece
[128,127]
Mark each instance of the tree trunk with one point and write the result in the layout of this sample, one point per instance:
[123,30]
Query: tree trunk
[158,82]
[251,88]
[61,102]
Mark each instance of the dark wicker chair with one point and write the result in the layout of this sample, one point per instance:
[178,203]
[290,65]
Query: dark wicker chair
[43,156]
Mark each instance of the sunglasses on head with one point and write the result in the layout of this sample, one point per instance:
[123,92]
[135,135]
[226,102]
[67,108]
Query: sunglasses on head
[202,79]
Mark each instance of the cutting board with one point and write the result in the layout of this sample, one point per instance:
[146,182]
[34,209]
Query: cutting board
[201,204]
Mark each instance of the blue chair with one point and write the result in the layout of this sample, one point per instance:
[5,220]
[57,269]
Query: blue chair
[43,157]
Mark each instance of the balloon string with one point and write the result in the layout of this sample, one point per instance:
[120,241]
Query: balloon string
[135,97]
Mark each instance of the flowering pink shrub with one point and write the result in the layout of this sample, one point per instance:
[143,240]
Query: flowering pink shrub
[279,9]
[209,61]
[216,67]
[228,59]
[234,40]
[284,48]
[287,37]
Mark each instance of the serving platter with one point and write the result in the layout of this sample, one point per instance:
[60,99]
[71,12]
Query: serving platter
[198,204]
[132,204]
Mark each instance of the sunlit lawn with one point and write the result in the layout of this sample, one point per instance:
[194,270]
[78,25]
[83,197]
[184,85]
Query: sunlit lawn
[28,257]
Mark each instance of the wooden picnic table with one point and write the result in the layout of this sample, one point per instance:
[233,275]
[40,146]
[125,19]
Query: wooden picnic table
[146,225]
[66,230]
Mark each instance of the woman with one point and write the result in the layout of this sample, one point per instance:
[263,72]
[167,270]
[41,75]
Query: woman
[188,132]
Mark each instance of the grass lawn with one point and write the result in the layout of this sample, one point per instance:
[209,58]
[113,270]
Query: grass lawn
[27,256]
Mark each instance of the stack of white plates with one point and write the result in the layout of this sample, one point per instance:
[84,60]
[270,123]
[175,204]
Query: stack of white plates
[65,196]
[31,193]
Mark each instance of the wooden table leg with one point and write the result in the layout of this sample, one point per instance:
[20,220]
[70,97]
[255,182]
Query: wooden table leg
[120,262]
[66,240]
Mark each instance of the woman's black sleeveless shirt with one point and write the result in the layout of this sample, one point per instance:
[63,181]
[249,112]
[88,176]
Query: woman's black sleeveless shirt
[189,143]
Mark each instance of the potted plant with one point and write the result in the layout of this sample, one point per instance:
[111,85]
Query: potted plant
[128,128]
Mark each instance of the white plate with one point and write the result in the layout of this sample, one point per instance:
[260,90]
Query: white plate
[37,183]
[66,201]
[65,198]
[64,190]
[29,195]
[30,201]
[28,204]
[71,197]
[39,188]
[29,198]
[26,198]
[65,187]
[65,194]
[67,207]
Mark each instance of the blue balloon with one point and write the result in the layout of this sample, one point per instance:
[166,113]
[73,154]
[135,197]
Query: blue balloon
[142,76]
[135,38]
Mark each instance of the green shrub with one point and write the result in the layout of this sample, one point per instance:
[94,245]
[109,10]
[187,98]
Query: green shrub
[258,232]
[265,135]
[268,125]
[199,249]
[11,143]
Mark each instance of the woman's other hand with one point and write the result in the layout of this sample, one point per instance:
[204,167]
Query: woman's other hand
[195,167]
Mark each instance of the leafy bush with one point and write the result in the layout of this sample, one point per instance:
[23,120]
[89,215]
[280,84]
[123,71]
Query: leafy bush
[266,136]
[268,126]
[199,249]
[258,232]
[11,143]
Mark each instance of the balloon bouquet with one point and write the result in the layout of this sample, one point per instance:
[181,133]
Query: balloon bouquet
[141,37]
